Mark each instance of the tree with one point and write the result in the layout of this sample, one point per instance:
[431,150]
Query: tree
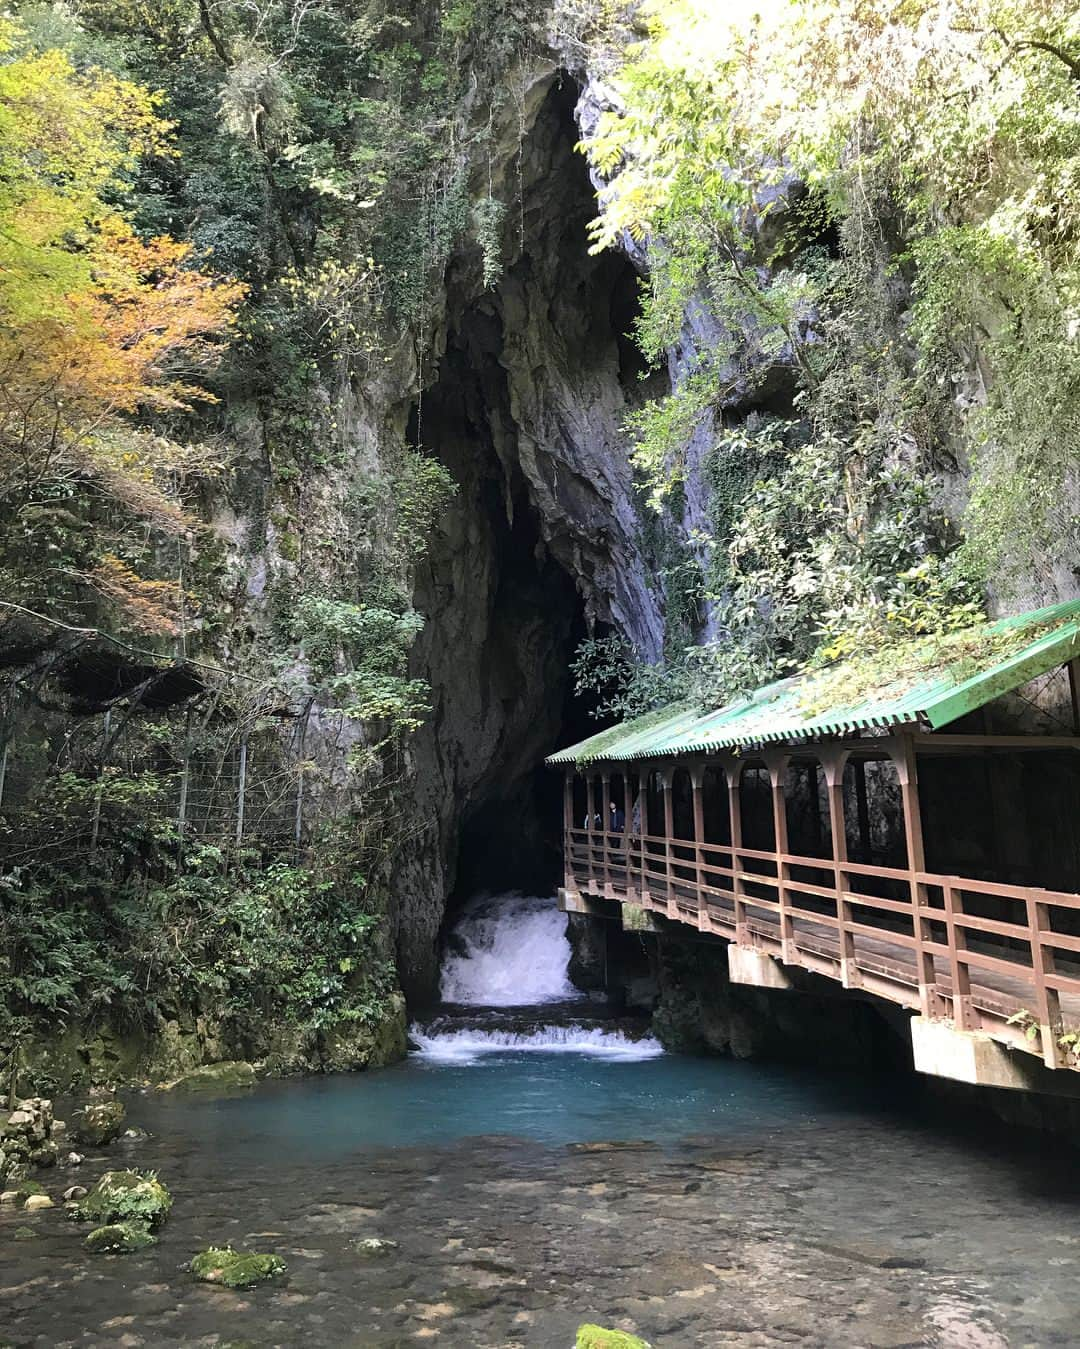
[97,325]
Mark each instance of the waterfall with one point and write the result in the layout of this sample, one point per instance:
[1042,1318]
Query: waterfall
[508,951]
[466,1046]
[511,952]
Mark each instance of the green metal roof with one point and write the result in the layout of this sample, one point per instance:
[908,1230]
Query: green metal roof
[789,710]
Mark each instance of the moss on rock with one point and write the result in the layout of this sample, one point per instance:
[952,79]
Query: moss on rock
[19,1194]
[119,1237]
[226,1076]
[99,1122]
[122,1196]
[374,1248]
[596,1337]
[236,1269]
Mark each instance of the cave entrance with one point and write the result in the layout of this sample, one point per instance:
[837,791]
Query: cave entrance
[535,378]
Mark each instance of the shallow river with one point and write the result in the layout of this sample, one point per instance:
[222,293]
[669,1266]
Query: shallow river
[753,1206]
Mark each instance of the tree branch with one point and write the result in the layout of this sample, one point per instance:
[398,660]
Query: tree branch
[215,37]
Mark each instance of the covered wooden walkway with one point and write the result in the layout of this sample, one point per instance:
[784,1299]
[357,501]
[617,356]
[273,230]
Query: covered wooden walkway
[674,831]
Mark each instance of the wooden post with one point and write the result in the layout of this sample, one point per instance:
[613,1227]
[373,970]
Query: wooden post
[734,780]
[298,817]
[1047,1000]
[95,827]
[568,825]
[590,803]
[907,771]
[1074,692]
[862,808]
[185,779]
[669,834]
[963,1012]
[241,789]
[605,828]
[777,765]
[699,840]
[643,829]
[833,762]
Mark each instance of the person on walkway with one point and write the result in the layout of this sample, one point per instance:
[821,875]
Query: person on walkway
[618,818]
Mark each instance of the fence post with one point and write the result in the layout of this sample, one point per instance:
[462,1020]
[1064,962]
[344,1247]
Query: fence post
[907,771]
[734,787]
[241,787]
[777,765]
[95,828]
[696,779]
[963,1010]
[833,762]
[185,777]
[1048,1002]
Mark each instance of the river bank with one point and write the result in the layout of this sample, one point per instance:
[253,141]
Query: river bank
[697,1202]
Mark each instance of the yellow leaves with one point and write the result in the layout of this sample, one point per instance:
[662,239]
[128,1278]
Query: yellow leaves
[151,608]
[97,325]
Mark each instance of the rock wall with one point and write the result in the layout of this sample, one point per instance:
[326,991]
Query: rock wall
[542,543]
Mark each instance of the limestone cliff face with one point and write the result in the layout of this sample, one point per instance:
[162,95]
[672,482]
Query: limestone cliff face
[533,379]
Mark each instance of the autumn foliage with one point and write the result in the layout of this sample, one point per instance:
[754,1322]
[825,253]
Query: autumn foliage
[99,328]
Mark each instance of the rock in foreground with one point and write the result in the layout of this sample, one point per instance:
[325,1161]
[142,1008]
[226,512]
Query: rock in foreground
[596,1337]
[125,1196]
[119,1237]
[99,1122]
[374,1248]
[236,1269]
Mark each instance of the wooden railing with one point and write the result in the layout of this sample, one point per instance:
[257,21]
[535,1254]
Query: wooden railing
[1003,959]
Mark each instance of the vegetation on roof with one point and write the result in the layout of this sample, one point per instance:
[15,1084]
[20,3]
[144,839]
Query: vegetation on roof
[866,688]
[605,741]
[897,667]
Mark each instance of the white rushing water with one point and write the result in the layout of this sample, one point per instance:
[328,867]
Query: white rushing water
[508,951]
[512,951]
[466,1046]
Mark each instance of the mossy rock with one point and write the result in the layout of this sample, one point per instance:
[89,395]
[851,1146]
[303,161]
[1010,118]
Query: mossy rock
[119,1237]
[25,1234]
[596,1337]
[374,1248]
[236,1269]
[19,1194]
[124,1196]
[99,1122]
[227,1076]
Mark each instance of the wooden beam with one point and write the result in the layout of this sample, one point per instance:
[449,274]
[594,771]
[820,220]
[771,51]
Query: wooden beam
[907,771]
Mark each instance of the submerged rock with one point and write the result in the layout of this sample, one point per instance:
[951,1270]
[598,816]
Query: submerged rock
[19,1194]
[236,1269]
[99,1122]
[120,1196]
[225,1076]
[596,1337]
[25,1234]
[119,1237]
[615,1145]
[374,1248]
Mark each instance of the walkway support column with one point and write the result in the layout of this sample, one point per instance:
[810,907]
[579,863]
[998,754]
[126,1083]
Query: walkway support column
[568,825]
[605,826]
[590,828]
[643,816]
[669,834]
[833,762]
[907,771]
[734,783]
[696,777]
[777,764]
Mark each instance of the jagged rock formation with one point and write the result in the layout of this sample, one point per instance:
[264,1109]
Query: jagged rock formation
[542,543]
